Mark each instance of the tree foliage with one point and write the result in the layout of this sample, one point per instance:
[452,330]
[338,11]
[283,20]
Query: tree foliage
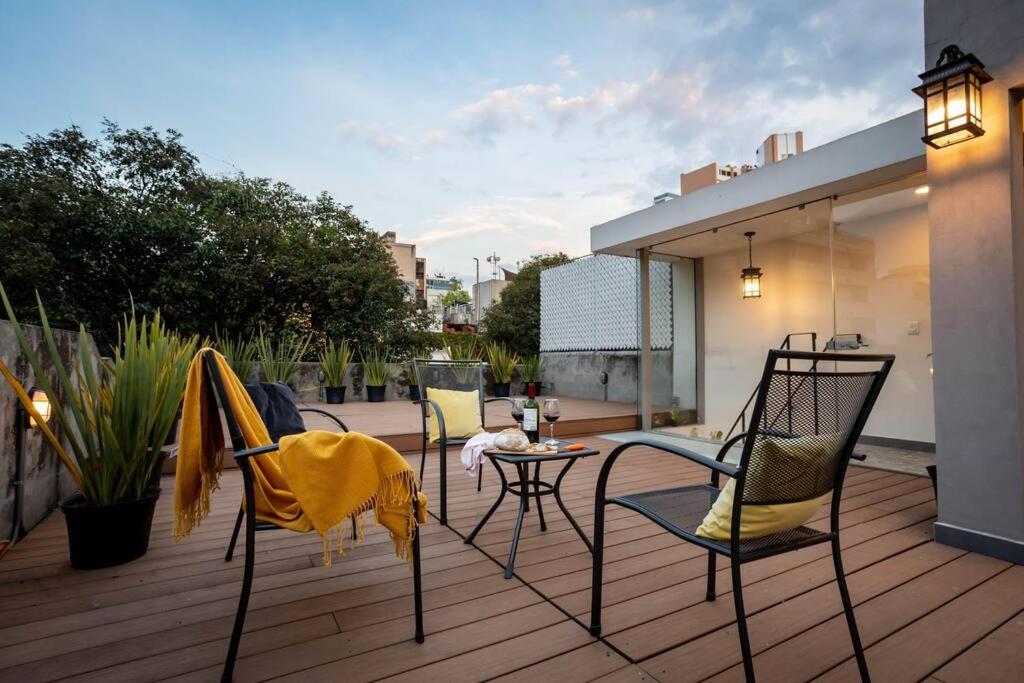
[456,293]
[515,319]
[96,225]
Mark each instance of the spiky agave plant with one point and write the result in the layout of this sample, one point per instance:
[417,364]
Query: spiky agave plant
[531,368]
[334,361]
[280,357]
[467,351]
[502,361]
[375,366]
[119,411]
[240,353]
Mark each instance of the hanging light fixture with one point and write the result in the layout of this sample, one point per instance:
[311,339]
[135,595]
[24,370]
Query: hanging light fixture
[952,98]
[751,275]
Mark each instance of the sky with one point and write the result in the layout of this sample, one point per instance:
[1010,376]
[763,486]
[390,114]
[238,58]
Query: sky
[469,128]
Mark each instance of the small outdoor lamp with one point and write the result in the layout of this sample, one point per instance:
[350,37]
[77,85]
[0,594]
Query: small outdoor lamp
[751,275]
[952,98]
[41,402]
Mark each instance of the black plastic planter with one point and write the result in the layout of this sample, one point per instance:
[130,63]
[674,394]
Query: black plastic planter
[375,394]
[414,392]
[334,394]
[108,535]
[501,389]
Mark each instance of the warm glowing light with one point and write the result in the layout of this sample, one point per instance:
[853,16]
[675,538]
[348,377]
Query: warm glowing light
[921,190]
[952,98]
[751,275]
[41,403]
[752,283]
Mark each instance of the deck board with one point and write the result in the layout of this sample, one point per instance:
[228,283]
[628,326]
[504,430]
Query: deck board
[925,610]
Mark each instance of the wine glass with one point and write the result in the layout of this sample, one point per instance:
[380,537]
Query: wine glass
[551,414]
[518,405]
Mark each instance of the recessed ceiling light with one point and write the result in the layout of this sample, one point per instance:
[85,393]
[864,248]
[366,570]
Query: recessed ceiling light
[921,190]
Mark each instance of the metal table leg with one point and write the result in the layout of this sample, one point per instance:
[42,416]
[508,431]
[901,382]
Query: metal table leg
[536,493]
[524,474]
[558,499]
[497,503]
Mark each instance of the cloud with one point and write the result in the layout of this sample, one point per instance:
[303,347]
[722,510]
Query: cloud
[502,109]
[564,62]
[382,138]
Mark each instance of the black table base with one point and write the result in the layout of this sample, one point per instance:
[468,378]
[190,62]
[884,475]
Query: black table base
[522,488]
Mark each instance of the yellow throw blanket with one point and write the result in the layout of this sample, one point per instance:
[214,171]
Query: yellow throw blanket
[316,481]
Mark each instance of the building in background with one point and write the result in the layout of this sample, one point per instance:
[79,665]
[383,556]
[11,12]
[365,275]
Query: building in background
[412,269]
[487,293]
[779,146]
[437,287]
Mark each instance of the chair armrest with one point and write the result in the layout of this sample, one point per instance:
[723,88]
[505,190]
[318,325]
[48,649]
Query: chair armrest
[247,453]
[714,465]
[424,402]
[498,398]
[331,416]
[858,456]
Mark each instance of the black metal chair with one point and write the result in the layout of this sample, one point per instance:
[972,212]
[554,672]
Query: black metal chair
[791,404]
[242,455]
[288,425]
[460,375]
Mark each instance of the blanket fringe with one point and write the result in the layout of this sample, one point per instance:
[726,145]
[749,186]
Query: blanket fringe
[396,491]
[190,516]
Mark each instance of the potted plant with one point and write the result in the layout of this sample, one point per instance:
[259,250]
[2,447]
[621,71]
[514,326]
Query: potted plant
[410,371]
[375,373]
[531,373]
[280,358]
[240,354]
[118,414]
[334,362]
[503,363]
[465,347]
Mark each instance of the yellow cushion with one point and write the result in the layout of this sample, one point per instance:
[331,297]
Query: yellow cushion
[461,410]
[773,469]
[755,520]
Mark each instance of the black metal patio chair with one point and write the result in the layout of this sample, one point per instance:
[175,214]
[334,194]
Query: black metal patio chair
[832,397]
[242,455]
[459,375]
[281,416]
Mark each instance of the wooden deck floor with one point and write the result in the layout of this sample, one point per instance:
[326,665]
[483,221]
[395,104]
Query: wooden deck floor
[924,610]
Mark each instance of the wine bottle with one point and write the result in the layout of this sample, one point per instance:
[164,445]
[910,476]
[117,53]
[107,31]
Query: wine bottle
[531,415]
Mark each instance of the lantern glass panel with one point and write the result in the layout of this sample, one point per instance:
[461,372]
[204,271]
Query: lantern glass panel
[752,286]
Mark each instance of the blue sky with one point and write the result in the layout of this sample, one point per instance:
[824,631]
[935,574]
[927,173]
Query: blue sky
[467,127]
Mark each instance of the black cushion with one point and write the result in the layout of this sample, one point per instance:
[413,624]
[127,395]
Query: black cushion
[276,405]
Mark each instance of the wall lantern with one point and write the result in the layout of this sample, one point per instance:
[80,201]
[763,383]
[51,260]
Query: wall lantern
[952,98]
[751,275]
[41,402]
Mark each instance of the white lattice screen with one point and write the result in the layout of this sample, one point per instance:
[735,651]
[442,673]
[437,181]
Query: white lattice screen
[591,305]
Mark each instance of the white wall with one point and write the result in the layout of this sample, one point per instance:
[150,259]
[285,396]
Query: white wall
[796,297]
[684,342]
[882,287]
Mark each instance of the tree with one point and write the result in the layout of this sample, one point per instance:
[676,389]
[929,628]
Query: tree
[515,319]
[456,293]
[96,226]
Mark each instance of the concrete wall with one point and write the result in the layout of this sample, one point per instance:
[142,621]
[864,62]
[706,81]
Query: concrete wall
[46,480]
[578,374]
[977,257]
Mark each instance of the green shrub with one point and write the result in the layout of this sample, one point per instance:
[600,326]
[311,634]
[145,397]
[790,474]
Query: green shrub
[334,360]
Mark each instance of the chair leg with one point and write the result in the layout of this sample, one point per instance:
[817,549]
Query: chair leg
[741,621]
[234,534]
[844,592]
[417,583]
[479,477]
[712,569]
[243,598]
[597,578]
[444,483]
[423,459]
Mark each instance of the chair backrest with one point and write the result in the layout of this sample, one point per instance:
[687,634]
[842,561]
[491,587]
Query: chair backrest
[810,411]
[213,373]
[465,374]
